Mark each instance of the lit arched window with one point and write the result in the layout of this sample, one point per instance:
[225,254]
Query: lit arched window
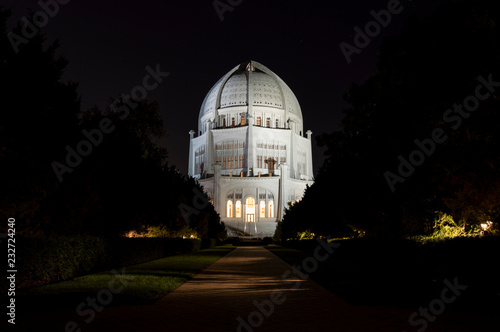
[242,122]
[271,209]
[238,209]
[250,202]
[262,213]
[230,209]
[250,209]
[259,121]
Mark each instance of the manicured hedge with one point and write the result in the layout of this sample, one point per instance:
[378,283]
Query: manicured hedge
[139,250]
[208,243]
[42,260]
[302,245]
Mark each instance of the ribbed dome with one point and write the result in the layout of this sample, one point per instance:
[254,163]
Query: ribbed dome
[267,90]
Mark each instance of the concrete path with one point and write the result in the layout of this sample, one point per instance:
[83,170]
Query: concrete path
[227,295]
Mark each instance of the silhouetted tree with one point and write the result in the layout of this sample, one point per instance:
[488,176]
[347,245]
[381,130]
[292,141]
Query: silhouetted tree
[122,182]
[422,72]
[38,116]
[126,182]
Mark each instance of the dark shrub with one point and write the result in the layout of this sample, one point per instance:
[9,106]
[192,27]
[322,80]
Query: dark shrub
[208,243]
[42,260]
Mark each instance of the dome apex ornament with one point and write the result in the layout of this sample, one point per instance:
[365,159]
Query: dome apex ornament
[250,66]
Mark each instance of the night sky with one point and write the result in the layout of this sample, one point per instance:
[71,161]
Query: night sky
[109,43]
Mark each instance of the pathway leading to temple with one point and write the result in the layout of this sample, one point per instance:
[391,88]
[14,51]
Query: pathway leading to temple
[227,295]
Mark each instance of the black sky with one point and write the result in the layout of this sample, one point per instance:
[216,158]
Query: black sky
[109,43]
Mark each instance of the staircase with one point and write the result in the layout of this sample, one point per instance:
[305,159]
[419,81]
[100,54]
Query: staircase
[249,241]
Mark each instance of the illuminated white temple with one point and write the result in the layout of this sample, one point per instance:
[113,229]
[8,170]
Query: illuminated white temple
[250,152]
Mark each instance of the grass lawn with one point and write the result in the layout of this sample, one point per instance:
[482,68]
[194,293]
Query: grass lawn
[407,273]
[143,283]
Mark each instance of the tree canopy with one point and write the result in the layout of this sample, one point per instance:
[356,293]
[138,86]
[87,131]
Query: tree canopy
[119,179]
[420,108]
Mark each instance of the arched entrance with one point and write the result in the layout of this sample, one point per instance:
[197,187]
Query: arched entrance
[250,214]
[250,210]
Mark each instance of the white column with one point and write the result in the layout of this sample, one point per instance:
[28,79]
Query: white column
[291,162]
[282,195]
[309,162]
[191,154]
[210,149]
[217,199]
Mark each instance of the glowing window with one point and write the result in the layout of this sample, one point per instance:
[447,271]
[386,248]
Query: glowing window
[262,209]
[230,209]
[250,205]
[238,209]
[259,121]
[242,122]
[271,209]
[250,210]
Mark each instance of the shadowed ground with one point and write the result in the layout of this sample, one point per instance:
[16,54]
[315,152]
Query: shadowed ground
[215,298]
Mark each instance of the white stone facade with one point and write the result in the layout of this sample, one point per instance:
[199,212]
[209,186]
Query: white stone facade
[250,153]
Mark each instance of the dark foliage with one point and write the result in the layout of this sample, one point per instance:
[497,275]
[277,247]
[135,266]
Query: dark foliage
[51,259]
[404,273]
[38,116]
[124,183]
[422,72]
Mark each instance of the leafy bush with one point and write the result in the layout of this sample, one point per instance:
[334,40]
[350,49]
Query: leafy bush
[446,227]
[306,235]
[47,259]
[303,245]
[208,243]
[43,260]
[268,240]
[162,231]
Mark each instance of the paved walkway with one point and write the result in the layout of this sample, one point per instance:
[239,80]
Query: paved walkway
[223,298]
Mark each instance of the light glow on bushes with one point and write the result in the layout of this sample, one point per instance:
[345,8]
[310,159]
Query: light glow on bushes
[486,226]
